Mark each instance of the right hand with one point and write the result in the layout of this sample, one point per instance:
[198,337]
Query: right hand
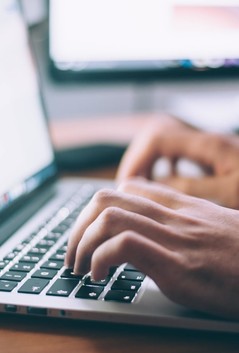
[170,236]
[169,137]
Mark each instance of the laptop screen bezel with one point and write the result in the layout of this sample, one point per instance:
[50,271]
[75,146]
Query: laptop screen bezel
[14,206]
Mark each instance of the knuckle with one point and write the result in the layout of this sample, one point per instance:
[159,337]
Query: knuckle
[103,197]
[127,241]
[109,216]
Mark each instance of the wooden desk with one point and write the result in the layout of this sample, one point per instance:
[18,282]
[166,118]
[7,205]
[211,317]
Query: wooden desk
[37,335]
[42,335]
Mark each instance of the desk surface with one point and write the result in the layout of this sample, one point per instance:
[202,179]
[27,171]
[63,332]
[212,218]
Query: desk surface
[37,335]
[25,335]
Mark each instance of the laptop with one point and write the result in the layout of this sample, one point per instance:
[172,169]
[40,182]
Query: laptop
[37,211]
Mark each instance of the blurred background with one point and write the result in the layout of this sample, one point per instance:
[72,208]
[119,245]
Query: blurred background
[182,57]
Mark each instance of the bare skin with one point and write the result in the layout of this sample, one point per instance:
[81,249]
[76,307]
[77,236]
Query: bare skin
[170,236]
[169,137]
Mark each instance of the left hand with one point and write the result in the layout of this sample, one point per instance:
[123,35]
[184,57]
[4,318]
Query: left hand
[171,138]
[188,246]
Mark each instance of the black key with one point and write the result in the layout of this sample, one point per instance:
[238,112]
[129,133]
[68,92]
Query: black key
[126,285]
[62,287]
[61,229]
[44,273]
[33,286]
[120,296]
[37,250]
[14,276]
[63,248]
[10,256]
[57,256]
[67,222]
[61,251]
[3,264]
[31,258]
[102,282]
[19,247]
[68,273]
[22,267]
[46,243]
[76,213]
[53,236]
[54,265]
[131,276]
[112,270]
[7,286]
[89,292]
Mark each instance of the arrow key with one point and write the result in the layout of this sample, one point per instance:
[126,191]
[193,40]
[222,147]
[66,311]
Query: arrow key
[7,286]
[89,292]
[33,286]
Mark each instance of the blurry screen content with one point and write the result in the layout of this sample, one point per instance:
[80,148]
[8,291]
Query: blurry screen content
[106,34]
[25,149]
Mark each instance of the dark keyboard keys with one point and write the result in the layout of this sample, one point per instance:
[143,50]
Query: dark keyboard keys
[57,256]
[10,256]
[38,250]
[7,286]
[126,285]
[62,287]
[60,229]
[46,243]
[33,286]
[44,273]
[3,264]
[68,273]
[31,258]
[19,247]
[22,267]
[89,292]
[53,237]
[14,276]
[131,276]
[112,270]
[54,265]
[102,282]
[120,296]
[63,248]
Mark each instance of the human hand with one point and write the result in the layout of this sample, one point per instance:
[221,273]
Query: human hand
[188,246]
[169,137]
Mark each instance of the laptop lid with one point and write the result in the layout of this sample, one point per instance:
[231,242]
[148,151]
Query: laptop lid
[26,153]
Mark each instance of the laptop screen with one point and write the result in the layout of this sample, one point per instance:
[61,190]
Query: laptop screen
[26,155]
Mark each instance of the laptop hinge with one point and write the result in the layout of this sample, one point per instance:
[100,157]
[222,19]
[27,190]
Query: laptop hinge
[18,218]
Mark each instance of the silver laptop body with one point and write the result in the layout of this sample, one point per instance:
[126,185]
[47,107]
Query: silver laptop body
[37,212]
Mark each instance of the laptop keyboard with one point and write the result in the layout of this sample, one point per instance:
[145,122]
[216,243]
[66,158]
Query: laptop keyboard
[36,265]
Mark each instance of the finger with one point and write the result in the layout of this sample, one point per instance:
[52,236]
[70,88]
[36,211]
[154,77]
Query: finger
[222,190]
[139,157]
[133,248]
[113,221]
[162,137]
[110,198]
[161,194]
